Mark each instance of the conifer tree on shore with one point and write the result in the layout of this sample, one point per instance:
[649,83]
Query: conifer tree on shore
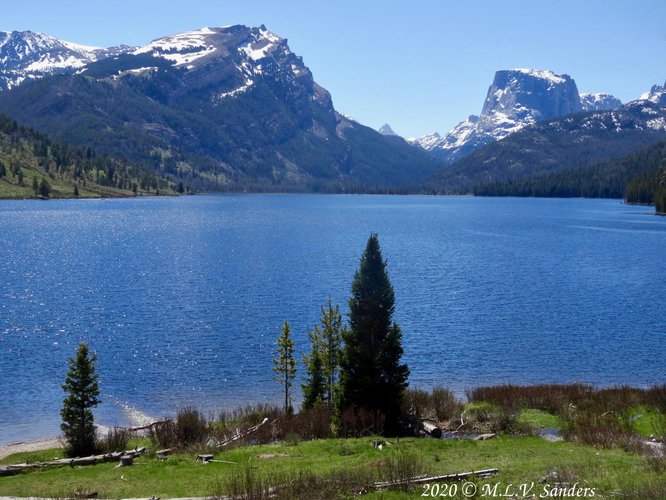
[82,388]
[324,359]
[284,365]
[372,378]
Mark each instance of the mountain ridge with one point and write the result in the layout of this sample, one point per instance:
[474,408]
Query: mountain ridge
[574,141]
[219,108]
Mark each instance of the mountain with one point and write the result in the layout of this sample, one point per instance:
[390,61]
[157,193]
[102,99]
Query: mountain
[218,108]
[599,102]
[30,159]
[657,95]
[574,141]
[516,98]
[25,55]
[386,130]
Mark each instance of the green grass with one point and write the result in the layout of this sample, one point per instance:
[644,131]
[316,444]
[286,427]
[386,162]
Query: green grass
[519,459]
[539,419]
[648,422]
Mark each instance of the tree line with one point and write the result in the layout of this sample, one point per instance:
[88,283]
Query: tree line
[638,178]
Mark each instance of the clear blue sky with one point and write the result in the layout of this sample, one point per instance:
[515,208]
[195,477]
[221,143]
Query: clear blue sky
[420,65]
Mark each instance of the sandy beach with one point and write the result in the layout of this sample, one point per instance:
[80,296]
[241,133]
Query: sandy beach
[43,444]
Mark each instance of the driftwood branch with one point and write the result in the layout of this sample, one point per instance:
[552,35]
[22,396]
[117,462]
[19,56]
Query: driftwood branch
[462,421]
[240,435]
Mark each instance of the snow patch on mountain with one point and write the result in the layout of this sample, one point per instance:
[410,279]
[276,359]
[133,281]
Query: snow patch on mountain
[599,101]
[261,44]
[182,49]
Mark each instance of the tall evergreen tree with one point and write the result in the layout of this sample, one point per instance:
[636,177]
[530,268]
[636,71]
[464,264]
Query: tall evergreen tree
[82,390]
[284,365]
[372,378]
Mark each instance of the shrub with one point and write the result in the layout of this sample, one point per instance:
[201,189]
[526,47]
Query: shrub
[402,467]
[191,428]
[116,440]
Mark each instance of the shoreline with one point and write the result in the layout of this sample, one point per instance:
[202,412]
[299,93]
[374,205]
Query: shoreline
[27,446]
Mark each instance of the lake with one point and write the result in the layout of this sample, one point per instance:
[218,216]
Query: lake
[182,298]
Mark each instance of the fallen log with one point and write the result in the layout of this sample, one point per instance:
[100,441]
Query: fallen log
[483,473]
[10,470]
[431,429]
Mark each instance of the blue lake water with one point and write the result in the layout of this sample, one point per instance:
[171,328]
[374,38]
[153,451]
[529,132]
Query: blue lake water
[182,298]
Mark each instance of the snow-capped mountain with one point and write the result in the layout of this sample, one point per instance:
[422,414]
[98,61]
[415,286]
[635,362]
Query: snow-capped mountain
[657,95]
[599,101]
[235,56]
[517,98]
[386,130]
[574,141]
[28,55]
[214,107]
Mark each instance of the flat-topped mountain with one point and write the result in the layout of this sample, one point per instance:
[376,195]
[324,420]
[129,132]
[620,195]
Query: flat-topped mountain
[516,98]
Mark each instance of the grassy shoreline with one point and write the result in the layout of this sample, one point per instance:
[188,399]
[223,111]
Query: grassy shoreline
[519,460]
[545,437]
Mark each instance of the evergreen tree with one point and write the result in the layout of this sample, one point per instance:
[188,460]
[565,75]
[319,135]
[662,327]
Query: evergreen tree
[372,378]
[82,391]
[284,365]
[44,188]
[3,170]
[35,186]
[314,389]
[327,340]
[76,190]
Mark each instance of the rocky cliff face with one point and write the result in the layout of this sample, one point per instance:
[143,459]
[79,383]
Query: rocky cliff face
[530,95]
[517,98]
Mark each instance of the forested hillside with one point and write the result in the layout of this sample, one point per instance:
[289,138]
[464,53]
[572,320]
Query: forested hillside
[33,165]
[603,180]
[649,188]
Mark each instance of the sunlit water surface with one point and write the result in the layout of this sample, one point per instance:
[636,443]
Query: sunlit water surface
[182,298]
